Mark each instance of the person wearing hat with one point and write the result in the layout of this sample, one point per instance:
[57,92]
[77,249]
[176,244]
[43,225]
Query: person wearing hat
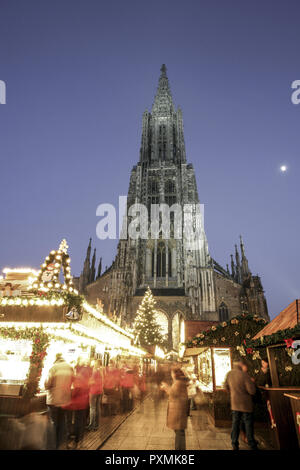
[58,386]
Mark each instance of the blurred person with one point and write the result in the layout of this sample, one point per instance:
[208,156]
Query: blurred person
[109,387]
[58,387]
[244,367]
[95,394]
[142,385]
[11,433]
[127,384]
[242,389]
[36,431]
[177,406]
[192,392]
[263,378]
[77,409]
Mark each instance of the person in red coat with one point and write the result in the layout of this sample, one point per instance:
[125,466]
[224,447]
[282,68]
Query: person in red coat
[79,403]
[96,390]
[127,384]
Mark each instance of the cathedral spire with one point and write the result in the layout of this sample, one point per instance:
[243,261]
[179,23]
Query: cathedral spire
[162,128]
[93,268]
[99,268]
[86,272]
[163,102]
[245,268]
[88,251]
[232,267]
[238,265]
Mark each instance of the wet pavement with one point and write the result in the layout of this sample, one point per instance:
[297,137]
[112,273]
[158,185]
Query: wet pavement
[145,429]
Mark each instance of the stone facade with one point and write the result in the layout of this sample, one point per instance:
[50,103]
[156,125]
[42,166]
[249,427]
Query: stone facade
[186,282]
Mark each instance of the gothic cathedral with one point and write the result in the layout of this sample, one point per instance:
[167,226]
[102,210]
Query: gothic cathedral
[187,283]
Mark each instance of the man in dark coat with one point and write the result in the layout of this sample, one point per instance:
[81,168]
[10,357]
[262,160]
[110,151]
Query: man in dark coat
[242,389]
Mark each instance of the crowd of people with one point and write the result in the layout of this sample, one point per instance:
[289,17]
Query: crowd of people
[244,394]
[79,395]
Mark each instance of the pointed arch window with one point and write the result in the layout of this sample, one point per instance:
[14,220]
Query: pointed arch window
[153,186]
[223,312]
[161,261]
[153,193]
[170,192]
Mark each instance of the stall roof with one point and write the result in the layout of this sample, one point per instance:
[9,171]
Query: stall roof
[193,351]
[288,318]
[193,327]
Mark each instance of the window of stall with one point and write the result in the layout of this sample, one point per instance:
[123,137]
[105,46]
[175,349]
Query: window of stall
[222,365]
[213,366]
[14,360]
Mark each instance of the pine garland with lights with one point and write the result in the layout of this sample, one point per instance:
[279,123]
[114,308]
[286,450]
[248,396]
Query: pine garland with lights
[234,333]
[238,333]
[146,330]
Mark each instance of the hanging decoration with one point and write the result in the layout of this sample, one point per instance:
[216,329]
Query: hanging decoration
[47,277]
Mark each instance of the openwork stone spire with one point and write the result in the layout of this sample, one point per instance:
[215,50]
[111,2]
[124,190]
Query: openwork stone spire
[163,102]
[162,132]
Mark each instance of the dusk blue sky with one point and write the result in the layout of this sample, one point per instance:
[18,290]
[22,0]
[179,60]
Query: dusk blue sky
[79,75]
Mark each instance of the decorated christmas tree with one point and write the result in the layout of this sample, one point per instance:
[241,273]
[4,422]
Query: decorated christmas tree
[146,330]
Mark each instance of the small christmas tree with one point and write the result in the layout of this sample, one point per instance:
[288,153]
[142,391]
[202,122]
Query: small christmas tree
[146,330]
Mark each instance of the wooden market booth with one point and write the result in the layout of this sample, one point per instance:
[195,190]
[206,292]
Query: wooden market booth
[93,336]
[279,338]
[211,366]
[210,354]
[41,316]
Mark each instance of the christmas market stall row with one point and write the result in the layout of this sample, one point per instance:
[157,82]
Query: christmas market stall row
[212,351]
[41,316]
[281,341]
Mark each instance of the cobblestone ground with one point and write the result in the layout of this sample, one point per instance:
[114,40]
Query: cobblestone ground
[145,429]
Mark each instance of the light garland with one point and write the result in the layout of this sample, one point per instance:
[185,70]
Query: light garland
[24,302]
[20,270]
[95,313]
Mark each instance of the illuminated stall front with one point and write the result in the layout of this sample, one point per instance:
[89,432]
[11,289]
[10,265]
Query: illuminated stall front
[41,321]
[212,365]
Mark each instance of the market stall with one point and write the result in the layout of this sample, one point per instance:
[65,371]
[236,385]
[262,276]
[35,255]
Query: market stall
[211,352]
[280,339]
[211,365]
[51,317]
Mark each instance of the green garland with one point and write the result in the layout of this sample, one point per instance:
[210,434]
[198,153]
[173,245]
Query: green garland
[276,338]
[70,300]
[229,333]
[238,333]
